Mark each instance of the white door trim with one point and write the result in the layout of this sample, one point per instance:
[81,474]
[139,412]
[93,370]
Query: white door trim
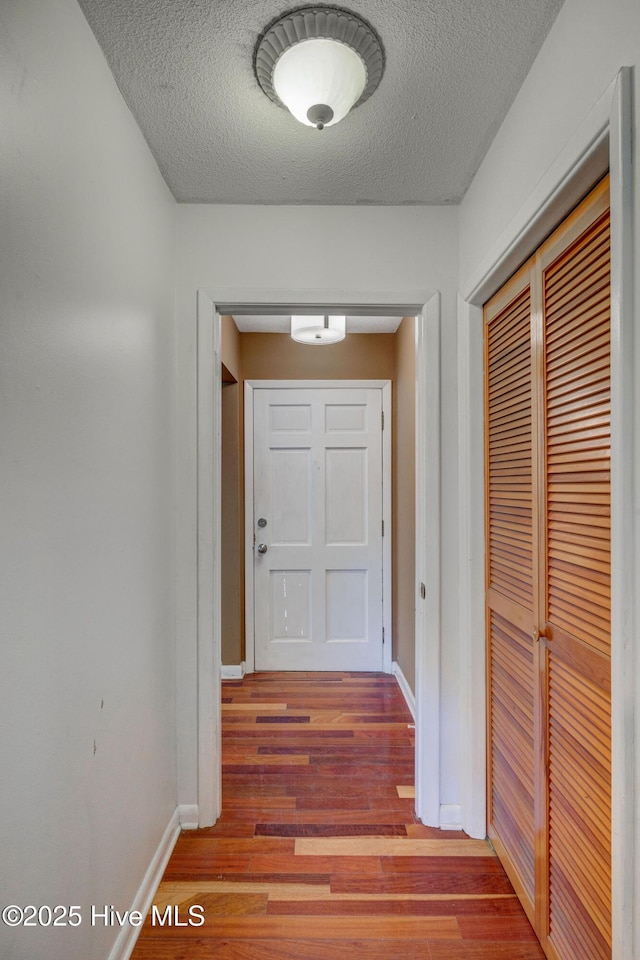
[209,632]
[603,141]
[428,559]
[385,387]
[206,686]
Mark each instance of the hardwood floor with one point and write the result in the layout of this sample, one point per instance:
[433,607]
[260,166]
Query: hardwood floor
[318,855]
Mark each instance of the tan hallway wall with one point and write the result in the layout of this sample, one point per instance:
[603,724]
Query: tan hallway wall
[404,495]
[232,496]
[275,356]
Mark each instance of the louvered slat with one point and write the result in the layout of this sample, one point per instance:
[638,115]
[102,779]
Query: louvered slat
[510,579]
[509,443]
[579,814]
[511,736]
[578,442]
[576,334]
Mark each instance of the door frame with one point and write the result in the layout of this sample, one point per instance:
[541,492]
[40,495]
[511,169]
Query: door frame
[249,605]
[602,142]
[211,307]
[208,561]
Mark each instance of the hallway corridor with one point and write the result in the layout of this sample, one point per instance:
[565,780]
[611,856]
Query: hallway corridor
[317,855]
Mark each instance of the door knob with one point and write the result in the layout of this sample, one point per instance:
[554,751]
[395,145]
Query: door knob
[262,548]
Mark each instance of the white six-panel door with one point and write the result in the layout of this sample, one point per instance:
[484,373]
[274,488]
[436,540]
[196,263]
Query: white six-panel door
[318,529]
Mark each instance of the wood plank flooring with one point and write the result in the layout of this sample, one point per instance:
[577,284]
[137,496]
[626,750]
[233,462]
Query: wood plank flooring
[318,855]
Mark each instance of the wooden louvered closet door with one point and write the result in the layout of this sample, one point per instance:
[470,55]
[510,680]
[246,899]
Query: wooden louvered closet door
[548,583]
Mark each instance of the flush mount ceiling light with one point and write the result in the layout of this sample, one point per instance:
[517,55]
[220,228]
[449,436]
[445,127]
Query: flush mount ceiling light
[319,62]
[318,330]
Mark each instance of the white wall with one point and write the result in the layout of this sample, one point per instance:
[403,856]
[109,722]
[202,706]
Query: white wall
[86,416]
[588,44]
[310,254]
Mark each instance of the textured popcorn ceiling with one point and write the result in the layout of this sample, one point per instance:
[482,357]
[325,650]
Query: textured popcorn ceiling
[453,68]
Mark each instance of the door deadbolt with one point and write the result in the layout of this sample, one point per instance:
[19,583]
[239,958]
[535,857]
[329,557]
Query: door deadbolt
[262,522]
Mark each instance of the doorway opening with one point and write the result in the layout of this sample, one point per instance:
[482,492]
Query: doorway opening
[425,335]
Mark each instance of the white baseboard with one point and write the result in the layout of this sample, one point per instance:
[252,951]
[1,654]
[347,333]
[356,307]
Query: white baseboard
[189,816]
[450,816]
[233,671]
[126,939]
[407,692]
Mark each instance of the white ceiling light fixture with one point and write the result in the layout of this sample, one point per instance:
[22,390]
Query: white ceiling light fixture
[319,62]
[318,330]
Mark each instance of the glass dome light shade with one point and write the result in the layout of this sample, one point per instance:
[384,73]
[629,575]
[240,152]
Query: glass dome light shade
[318,330]
[319,71]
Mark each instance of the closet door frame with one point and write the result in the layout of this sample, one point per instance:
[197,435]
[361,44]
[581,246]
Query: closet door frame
[602,142]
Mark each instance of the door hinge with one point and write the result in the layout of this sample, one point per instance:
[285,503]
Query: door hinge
[382,418]
[383,528]
[383,635]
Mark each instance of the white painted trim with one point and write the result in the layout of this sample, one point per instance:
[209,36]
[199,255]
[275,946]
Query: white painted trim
[362,303]
[385,388]
[233,671]
[602,141]
[320,384]
[625,682]
[387,540]
[249,596]
[428,554]
[450,816]
[189,816]
[405,689]
[209,519]
[126,939]
[471,577]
